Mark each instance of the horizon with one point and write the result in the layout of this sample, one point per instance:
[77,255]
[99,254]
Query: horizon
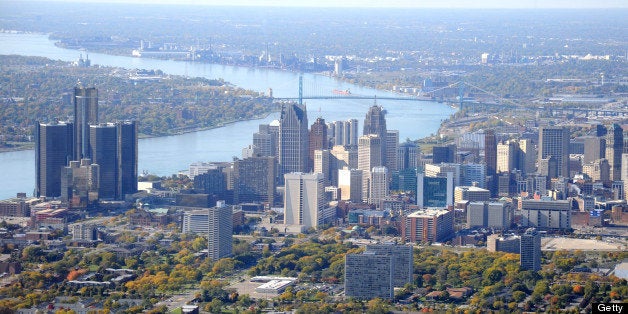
[423,4]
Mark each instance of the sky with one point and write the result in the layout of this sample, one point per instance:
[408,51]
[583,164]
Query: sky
[506,4]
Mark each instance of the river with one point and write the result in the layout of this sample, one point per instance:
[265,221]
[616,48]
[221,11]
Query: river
[170,154]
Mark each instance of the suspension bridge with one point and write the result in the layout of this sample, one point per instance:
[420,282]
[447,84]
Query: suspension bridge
[453,93]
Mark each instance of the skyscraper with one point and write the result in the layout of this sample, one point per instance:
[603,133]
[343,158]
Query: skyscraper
[614,149]
[85,113]
[220,231]
[53,151]
[293,140]
[369,156]
[490,152]
[392,143]
[375,123]
[530,250]
[127,158]
[103,143]
[402,261]
[352,125]
[554,141]
[368,276]
[318,139]
[304,199]
[379,185]
[254,180]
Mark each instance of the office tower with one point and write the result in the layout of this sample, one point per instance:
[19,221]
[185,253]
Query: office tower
[322,164]
[407,155]
[254,180]
[379,185]
[85,113]
[220,231]
[624,173]
[53,150]
[594,149]
[304,199]
[435,191]
[318,139]
[490,152]
[441,170]
[368,276]
[530,250]
[350,184]
[554,142]
[600,130]
[339,159]
[79,183]
[353,132]
[614,149]
[339,133]
[213,183]
[443,154]
[527,156]
[195,221]
[266,140]
[346,133]
[250,151]
[293,140]
[369,156]
[428,225]
[546,214]
[103,149]
[473,174]
[489,215]
[375,123]
[598,170]
[507,154]
[127,158]
[548,167]
[402,261]
[471,194]
[392,143]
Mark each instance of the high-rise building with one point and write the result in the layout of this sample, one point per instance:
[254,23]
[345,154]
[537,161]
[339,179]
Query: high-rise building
[369,156]
[489,214]
[266,140]
[323,164]
[293,140]
[339,133]
[614,149]
[368,276]
[352,125]
[402,261]
[350,184]
[103,148]
[304,199]
[598,170]
[530,250]
[220,231]
[127,158]
[428,225]
[527,156]
[85,113]
[471,194]
[392,143]
[407,155]
[444,154]
[254,180]
[375,123]
[435,191]
[554,142]
[53,151]
[473,174]
[594,149]
[490,152]
[318,139]
[79,183]
[379,185]
[507,156]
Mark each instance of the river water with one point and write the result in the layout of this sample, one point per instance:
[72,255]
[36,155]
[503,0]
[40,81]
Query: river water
[170,154]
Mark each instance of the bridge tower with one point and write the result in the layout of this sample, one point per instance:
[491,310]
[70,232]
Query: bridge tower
[300,89]
[461,94]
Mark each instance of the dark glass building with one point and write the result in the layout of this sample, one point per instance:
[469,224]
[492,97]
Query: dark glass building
[53,151]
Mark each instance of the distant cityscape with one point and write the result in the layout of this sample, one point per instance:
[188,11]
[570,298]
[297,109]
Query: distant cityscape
[517,203]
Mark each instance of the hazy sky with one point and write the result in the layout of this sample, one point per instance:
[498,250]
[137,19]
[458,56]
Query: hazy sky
[392,3]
